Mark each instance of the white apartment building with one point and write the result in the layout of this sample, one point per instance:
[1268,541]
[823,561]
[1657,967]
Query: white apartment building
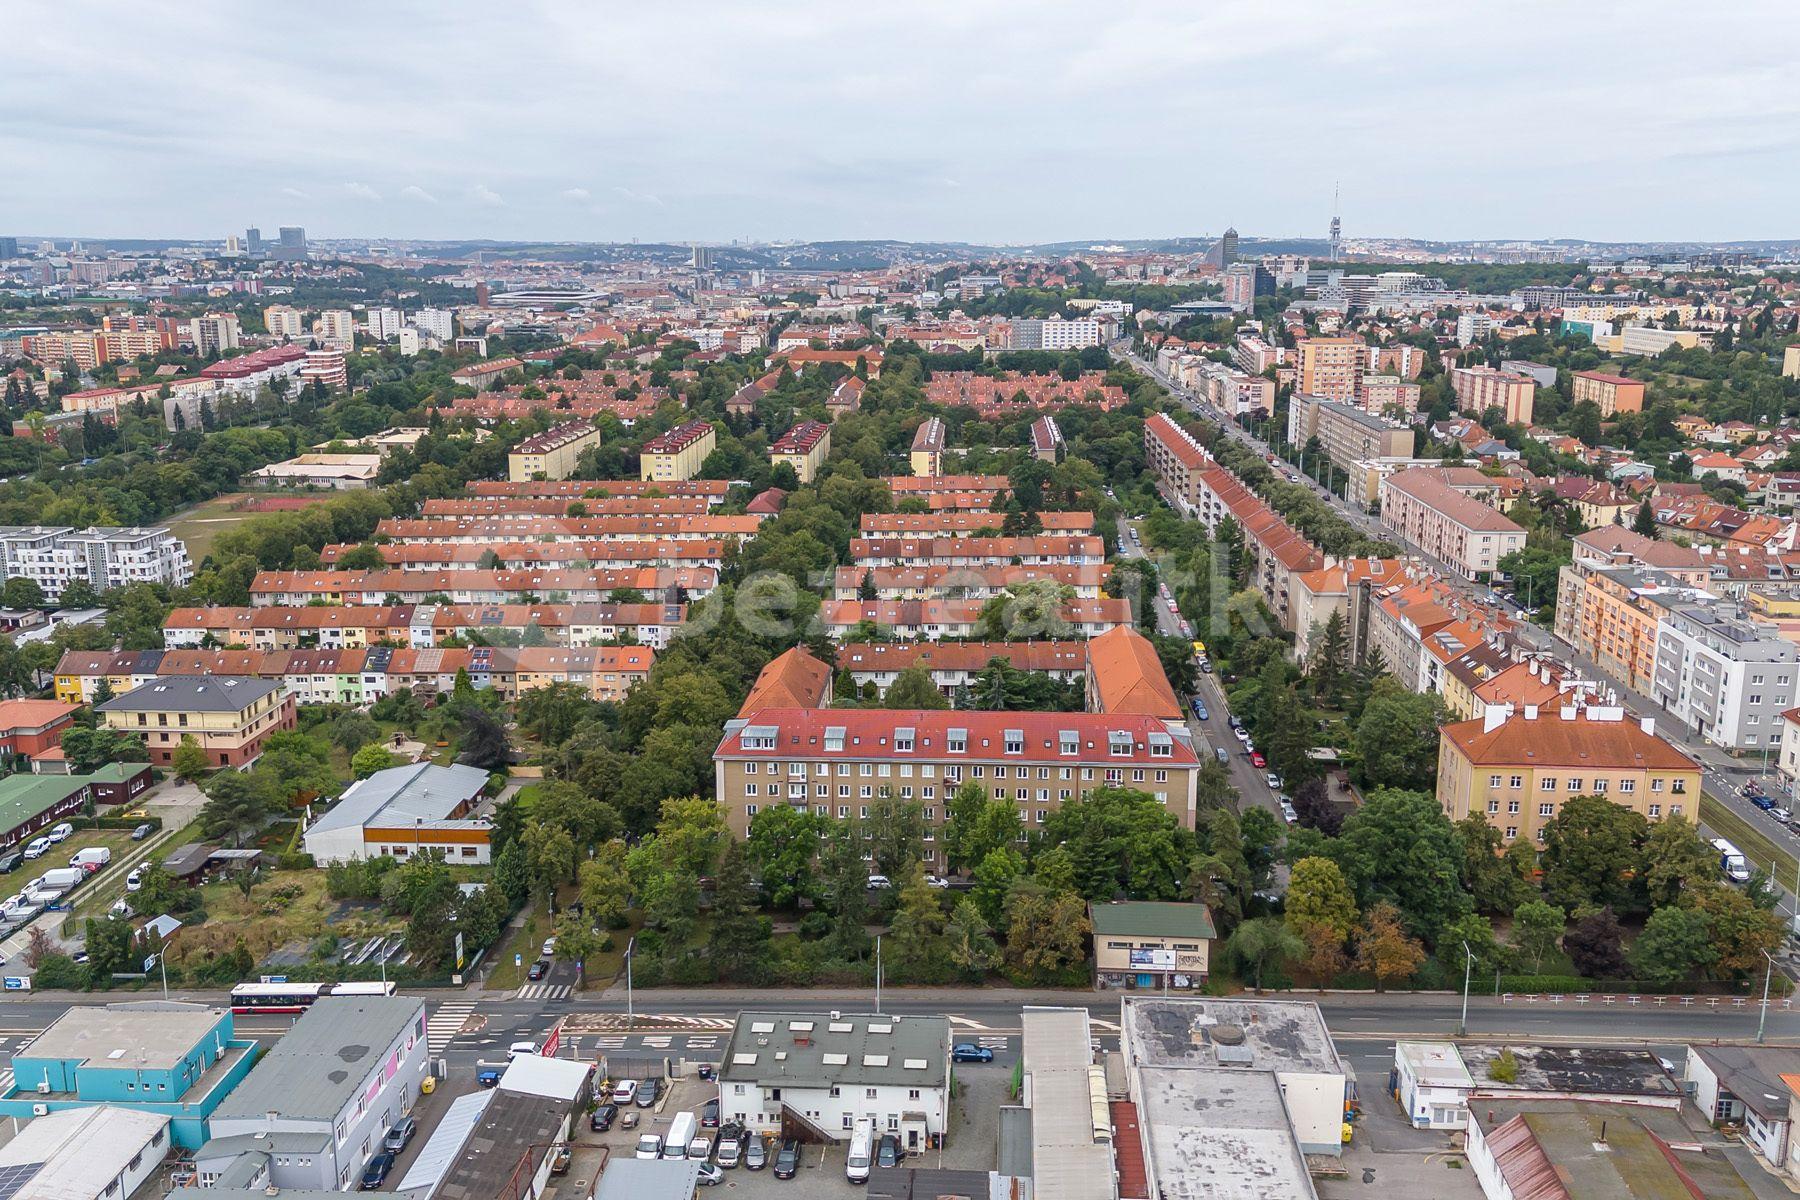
[103,558]
[214,333]
[383,323]
[1726,678]
[1054,333]
[1472,327]
[335,328]
[831,1071]
[411,341]
[440,323]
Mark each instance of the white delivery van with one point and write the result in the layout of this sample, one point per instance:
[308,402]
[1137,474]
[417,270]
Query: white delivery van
[62,877]
[681,1132]
[856,1163]
[92,858]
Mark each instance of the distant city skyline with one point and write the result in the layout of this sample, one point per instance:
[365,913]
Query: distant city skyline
[1000,122]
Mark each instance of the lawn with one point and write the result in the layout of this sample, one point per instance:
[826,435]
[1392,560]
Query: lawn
[199,525]
[528,940]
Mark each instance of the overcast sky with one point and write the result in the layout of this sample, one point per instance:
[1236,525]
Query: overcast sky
[980,120]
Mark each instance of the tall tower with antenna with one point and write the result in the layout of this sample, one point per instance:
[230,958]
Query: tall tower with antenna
[1337,228]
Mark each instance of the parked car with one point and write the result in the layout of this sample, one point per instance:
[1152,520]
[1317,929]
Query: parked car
[936,881]
[1290,816]
[879,882]
[756,1154]
[549,949]
[1257,760]
[520,1049]
[1200,710]
[650,1145]
[135,880]
[61,832]
[120,908]
[1220,752]
[624,1092]
[538,970]
[647,1093]
[1273,780]
[36,846]
[887,1154]
[10,862]
[1206,668]
[628,1119]
[377,1171]
[710,1175]
[731,1146]
[1242,734]
[400,1134]
[1763,802]
[971,1053]
[1781,814]
[601,1119]
[709,1115]
[787,1159]
[141,832]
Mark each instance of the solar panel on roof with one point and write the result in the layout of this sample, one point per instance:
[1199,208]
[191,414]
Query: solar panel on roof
[15,1177]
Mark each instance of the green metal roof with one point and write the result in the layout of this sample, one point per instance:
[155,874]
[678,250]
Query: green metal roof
[1152,918]
[23,797]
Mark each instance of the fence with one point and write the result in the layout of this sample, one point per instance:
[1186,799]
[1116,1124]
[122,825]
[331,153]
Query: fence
[1607,1000]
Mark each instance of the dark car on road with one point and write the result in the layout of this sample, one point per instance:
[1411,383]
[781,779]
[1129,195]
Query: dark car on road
[602,1118]
[787,1159]
[709,1115]
[969,1052]
[377,1171]
[539,969]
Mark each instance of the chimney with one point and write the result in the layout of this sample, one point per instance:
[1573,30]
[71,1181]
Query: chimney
[1648,725]
[1531,712]
[1493,716]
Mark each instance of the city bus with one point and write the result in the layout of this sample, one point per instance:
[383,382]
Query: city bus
[1731,862]
[369,988]
[274,997]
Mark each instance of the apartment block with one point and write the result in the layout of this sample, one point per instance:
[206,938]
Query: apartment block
[1046,439]
[927,457]
[104,558]
[1516,767]
[1348,433]
[553,453]
[804,448]
[677,454]
[1613,393]
[1448,524]
[1481,388]
[1176,459]
[838,761]
[1387,393]
[1330,367]
[1726,678]
[284,321]
[229,717]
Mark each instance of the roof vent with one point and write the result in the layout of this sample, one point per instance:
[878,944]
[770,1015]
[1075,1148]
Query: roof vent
[1227,1035]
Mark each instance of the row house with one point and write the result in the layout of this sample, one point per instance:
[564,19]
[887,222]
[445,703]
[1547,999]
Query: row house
[932,620]
[960,583]
[521,555]
[555,506]
[955,666]
[1277,552]
[965,524]
[418,625]
[1015,394]
[513,526]
[1419,626]
[1047,549]
[903,487]
[713,490]
[838,762]
[667,584]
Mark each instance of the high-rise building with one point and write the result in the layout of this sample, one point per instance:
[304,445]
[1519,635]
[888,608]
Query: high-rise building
[215,333]
[1330,367]
[440,323]
[9,247]
[1227,248]
[1244,282]
[335,328]
[253,240]
[284,321]
[383,323]
[702,258]
[234,245]
[292,247]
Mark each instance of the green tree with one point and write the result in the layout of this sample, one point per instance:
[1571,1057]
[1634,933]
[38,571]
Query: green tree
[895,831]
[1400,847]
[188,760]
[1645,520]
[1593,849]
[1397,736]
[1491,876]
[370,759]
[1261,943]
[783,843]
[606,885]
[1123,842]
[738,943]
[1537,927]
[979,825]
[1595,945]
[549,858]
[913,688]
[1675,942]
[1676,860]
[846,880]
[235,806]
[512,872]
[111,948]
[1319,896]
[21,593]
[1045,933]
[1740,932]
[969,941]
[994,879]
[916,936]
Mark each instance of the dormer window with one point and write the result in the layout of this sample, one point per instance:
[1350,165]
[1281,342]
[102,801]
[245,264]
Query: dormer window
[956,741]
[1068,742]
[1015,741]
[1118,744]
[903,739]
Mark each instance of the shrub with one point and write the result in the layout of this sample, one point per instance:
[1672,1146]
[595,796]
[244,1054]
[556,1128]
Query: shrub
[295,860]
[1504,1068]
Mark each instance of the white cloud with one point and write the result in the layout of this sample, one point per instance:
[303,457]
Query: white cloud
[649,198]
[362,191]
[295,193]
[486,197]
[578,195]
[413,191]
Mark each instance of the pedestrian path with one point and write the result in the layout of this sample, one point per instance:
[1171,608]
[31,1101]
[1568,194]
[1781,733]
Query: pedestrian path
[545,991]
[444,1025]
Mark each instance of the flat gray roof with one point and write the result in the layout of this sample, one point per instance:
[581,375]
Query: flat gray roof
[511,1128]
[154,1037]
[415,792]
[1220,1134]
[316,1067]
[819,1050]
[1066,1162]
[1261,1035]
[1603,1070]
[648,1179]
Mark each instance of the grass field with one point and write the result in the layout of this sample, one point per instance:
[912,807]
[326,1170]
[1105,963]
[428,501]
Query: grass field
[1756,845]
[199,525]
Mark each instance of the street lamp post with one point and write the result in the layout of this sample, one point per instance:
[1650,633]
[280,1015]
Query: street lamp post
[1763,1019]
[630,1012]
[1462,1029]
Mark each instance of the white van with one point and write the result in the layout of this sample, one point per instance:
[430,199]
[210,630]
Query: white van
[681,1132]
[36,847]
[62,832]
[650,1145]
[856,1163]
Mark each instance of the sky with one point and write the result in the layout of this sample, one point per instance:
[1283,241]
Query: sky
[991,121]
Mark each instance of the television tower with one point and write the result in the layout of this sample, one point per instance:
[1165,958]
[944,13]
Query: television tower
[1337,227]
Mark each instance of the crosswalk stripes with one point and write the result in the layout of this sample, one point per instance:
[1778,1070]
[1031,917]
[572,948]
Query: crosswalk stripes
[545,991]
[6,1081]
[444,1025]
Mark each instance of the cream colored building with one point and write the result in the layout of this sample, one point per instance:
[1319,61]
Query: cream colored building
[1517,767]
[1144,944]
[804,448]
[227,716]
[552,453]
[676,454]
[284,321]
[928,448]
